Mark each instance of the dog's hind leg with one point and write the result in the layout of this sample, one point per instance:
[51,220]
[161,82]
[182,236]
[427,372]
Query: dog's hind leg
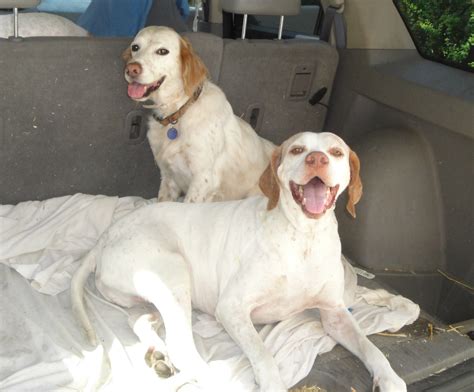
[169,290]
[146,327]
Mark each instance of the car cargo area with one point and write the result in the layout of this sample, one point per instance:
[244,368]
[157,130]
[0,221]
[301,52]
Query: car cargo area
[67,127]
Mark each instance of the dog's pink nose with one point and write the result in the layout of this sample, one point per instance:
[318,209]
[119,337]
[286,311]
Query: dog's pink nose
[133,69]
[317,158]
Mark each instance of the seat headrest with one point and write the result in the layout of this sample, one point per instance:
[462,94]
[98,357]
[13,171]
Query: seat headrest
[18,3]
[332,3]
[262,7]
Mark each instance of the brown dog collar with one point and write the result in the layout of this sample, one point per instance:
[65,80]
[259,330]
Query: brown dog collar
[174,117]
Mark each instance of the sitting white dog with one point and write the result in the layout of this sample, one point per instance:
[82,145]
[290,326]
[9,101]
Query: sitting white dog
[258,260]
[203,150]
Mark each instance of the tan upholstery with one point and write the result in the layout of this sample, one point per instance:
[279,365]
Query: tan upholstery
[375,25]
[262,7]
[18,3]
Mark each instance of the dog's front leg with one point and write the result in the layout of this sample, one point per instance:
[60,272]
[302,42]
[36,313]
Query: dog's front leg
[202,189]
[169,190]
[343,328]
[235,318]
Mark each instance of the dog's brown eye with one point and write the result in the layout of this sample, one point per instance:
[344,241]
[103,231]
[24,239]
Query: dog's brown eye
[162,51]
[336,152]
[135,48]
[297,150]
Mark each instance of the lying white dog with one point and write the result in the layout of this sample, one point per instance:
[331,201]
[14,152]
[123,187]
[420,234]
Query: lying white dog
[202,149]
[258,260]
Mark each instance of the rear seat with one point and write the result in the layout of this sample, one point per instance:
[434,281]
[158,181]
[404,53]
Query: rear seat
[72,101]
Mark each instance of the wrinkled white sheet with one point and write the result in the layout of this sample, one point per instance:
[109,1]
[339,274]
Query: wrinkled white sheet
[43,349]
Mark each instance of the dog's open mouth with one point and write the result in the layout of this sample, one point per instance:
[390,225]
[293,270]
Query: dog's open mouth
[138,91]
[315,197]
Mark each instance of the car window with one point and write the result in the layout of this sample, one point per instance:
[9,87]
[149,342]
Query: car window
[443,30]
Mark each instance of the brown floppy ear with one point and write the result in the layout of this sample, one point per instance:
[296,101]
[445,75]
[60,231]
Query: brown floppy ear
[127,55]
[355,185]
[269,181]
[193,70]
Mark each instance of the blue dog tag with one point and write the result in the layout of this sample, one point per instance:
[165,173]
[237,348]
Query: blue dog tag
[172,133]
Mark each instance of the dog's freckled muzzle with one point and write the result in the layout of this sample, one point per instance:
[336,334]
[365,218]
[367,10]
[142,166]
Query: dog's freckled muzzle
[139,91]
[314,197]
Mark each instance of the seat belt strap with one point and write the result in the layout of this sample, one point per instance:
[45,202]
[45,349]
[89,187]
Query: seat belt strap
[333,19]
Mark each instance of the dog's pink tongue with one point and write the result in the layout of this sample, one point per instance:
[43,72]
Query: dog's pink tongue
[315,193]
[136,90]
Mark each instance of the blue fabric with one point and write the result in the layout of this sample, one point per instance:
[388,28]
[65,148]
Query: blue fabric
[115,18]
[183,7]
[78,6]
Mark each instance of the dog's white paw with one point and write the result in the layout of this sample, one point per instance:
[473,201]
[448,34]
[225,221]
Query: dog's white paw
[159,363]
[389,383]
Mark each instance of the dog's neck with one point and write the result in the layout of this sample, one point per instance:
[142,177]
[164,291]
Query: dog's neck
[174,117]
[164,107]
[293,214]
[168,100]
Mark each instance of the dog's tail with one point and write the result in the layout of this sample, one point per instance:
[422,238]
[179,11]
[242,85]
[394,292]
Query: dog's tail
[77,294]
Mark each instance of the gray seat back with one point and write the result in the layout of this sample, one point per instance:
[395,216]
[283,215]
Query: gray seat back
[62,122]
[67,125]
[270,84]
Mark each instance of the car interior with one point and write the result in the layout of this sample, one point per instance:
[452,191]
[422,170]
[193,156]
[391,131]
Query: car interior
[347,66]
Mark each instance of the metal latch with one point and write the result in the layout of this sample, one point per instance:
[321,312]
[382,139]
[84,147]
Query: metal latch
[135,127]
[300,82]
[254,115]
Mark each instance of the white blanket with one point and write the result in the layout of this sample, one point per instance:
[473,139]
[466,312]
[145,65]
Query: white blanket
[43,349]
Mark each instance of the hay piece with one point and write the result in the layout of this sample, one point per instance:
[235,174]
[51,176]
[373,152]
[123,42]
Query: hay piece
[314,388]
[396,335]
